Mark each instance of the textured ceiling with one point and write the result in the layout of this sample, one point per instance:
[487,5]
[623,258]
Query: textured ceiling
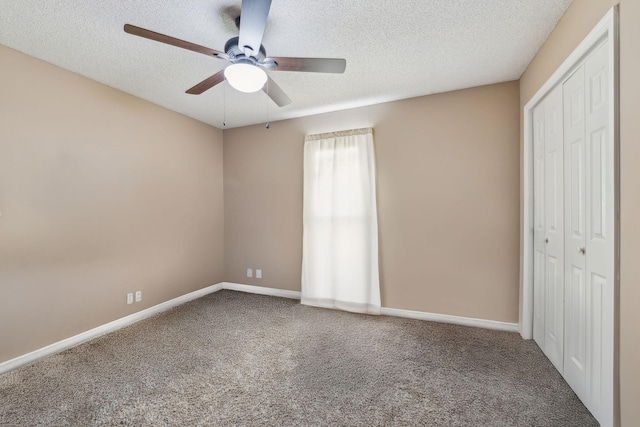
[395,49]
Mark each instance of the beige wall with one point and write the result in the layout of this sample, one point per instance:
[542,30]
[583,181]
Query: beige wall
[447,200]
[579,19]
[101,194]
[630,213]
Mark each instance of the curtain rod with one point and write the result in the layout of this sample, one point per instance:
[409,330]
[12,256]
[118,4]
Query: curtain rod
[361,131]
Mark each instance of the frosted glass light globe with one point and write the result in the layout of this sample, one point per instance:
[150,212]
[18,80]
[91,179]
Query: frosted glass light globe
[245,77]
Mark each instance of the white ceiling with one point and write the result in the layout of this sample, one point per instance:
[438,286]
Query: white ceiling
[395,49]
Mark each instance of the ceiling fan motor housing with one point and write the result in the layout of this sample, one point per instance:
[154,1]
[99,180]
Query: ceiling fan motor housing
[237,56]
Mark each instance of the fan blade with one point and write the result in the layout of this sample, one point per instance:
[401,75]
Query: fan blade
[313,65]
[207,83]
[253,19]
[152,35]
[276,93]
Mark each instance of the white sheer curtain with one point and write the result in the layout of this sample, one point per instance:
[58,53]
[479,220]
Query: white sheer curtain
[340,238]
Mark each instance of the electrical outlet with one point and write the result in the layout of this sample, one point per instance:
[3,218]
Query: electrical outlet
[249,272]
[258,273]
[138,296]
[130,298]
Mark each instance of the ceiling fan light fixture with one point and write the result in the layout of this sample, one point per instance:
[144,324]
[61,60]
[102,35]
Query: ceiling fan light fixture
[245,77]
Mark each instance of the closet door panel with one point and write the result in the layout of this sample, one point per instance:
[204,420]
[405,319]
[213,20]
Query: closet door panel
[554,226]
[575,351]
[599,233]
[539,250]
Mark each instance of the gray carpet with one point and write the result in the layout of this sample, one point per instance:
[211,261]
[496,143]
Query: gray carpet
[240,359]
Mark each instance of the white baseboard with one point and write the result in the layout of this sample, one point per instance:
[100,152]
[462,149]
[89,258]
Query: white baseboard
[261,290]
[283,293]
[396,312]
[455,320]
[104,329]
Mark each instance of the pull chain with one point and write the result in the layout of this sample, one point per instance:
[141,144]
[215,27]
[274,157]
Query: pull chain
[224,105]
[267,125]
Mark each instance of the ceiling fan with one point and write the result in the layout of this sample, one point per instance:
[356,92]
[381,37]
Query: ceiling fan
[247,56]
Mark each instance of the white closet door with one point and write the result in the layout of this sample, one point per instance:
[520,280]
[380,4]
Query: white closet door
[574,226]
[589,222]
[539,271]
[549,225]
[575,369]
[554,229]
[599,237]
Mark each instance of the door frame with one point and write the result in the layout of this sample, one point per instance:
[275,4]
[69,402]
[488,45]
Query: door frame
[607,29]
